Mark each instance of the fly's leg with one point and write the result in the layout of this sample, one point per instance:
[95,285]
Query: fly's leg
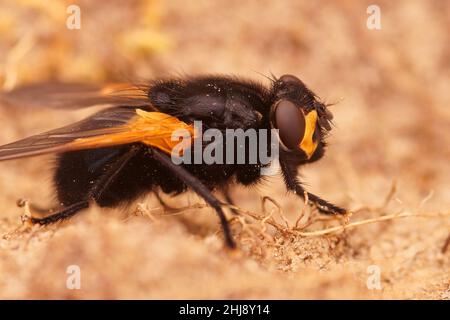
[94,194]
[229,200]
[62,214]
[324,206]
[292,183]
[196,185]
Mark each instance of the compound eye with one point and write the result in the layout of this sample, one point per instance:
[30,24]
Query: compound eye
[290,121]
[289,78]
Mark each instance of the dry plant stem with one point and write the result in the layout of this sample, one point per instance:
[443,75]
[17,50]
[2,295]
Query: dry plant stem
[176,211]
[302,213]
[264,220]
[369,221]
[426,199]
[256,216]
[390,195]
[446,244]
[246,228]
[280,211]
[385,203]
[142,210]
[337,229]
[269,220]
[253,232]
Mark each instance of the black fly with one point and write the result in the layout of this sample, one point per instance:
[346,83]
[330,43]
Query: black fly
[122,152]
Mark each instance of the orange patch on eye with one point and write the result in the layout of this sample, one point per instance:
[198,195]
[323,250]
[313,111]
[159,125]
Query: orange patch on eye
[308,145]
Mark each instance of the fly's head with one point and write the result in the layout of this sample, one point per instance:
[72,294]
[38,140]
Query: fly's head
[301,118]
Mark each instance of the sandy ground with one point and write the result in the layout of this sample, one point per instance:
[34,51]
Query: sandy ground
[388,154]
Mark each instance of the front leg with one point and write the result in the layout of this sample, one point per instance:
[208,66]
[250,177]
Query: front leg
[293,184]
[322,205]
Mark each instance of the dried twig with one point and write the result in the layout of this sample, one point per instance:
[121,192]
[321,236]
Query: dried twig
[426,199]
[369,221]
[280,210]
[390,195]
[297,229]
[446,244]
[302,213]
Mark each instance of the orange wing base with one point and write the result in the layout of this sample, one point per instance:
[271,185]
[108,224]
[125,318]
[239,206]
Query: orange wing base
[151,128]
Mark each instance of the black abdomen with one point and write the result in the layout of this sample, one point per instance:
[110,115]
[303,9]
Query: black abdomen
[78,172]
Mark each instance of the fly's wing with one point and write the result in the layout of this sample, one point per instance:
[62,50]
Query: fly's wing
[113,126]
[75,95]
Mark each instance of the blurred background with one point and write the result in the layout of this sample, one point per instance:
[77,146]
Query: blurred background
[392,116]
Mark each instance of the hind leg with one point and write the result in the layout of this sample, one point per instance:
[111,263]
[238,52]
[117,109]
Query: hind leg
[62,214]
[94,194]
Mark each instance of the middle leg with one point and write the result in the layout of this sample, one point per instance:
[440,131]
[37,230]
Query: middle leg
[195,184]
